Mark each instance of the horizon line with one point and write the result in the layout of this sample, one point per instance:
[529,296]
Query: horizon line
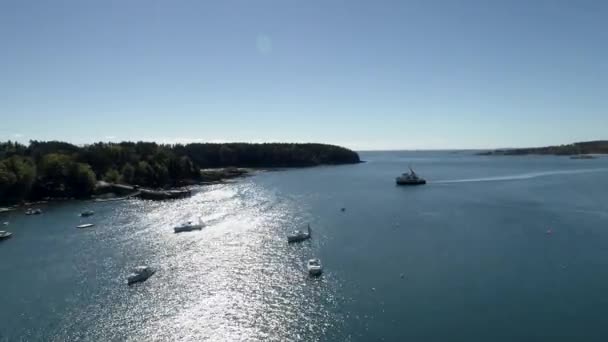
[165,141]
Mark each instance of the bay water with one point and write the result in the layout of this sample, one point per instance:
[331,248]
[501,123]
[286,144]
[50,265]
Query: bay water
[491,249]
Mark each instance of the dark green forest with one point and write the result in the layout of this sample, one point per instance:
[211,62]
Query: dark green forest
[58,169]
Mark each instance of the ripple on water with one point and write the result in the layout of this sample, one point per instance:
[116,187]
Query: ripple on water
[235,280]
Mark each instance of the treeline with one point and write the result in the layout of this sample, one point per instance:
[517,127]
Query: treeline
[587,147]
[59,169]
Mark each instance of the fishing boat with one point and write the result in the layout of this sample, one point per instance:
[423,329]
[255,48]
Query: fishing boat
[298,236]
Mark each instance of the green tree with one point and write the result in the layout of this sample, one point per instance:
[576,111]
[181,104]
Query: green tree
[54,166]
[128,173]
[161,175]
[7,182]
[227,156]
[182,168]
[53,173]
[61,176]
[112,176]
[81,180]
[17,175]
[144,174]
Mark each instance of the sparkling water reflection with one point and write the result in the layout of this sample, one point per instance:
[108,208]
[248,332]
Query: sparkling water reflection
[235,280]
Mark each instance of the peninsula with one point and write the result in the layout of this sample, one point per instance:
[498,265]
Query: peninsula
[54,169]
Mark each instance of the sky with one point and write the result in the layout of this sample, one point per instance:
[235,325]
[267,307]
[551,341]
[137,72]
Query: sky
[369,75]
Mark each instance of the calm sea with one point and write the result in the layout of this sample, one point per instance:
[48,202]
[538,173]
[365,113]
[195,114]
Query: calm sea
[491,249]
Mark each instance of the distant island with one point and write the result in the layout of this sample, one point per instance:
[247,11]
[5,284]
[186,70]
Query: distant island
[54,169]
[579,150]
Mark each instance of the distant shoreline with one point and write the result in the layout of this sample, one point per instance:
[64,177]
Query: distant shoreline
[579,150]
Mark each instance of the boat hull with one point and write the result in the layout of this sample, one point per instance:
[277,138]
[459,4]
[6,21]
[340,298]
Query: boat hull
[315,271]
[292,239]
[186,229]
[409,182]
[139,278]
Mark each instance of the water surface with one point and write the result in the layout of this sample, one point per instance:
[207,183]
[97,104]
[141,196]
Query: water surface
[491,249]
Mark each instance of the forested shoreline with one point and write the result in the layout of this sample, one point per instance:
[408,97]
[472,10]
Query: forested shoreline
[55,169]
[578,148]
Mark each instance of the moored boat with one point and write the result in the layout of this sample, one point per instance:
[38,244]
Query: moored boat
[140,273]
[297,235]
[189,226]
[314,267]
[5,235]
[87,213]
[31,211]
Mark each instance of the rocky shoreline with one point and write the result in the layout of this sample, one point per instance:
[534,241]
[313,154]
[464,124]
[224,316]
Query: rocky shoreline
[105,192]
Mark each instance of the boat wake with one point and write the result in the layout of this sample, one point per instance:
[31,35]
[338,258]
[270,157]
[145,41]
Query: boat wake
[521,176]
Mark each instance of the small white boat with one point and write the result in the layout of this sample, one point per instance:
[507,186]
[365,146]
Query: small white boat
[314,267]
[86,225]
[87,213]
[140,273]
[31,211]
[189,226]
[298,236]
[5,235]
[5,223]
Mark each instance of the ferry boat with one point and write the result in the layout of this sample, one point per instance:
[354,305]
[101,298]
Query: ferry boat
[410,178]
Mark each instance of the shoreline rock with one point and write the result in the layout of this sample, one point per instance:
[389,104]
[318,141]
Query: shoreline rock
[105,191]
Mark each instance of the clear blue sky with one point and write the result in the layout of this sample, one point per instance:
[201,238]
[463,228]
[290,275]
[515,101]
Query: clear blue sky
[364,74]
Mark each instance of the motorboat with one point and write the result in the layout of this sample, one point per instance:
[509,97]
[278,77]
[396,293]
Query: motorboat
[87,213]
[189,226]
[31,211]
[410,178]
[298,235]
[140,273]
[86,225]
[5,235]
[314,267]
